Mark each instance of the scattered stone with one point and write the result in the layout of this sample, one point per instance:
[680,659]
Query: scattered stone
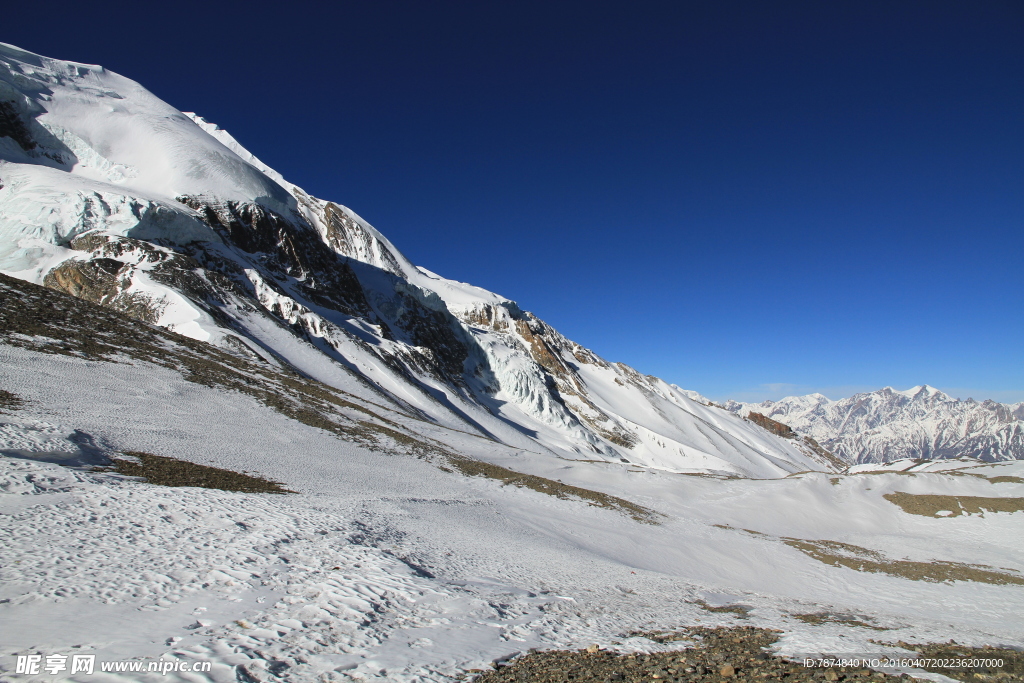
[740,654]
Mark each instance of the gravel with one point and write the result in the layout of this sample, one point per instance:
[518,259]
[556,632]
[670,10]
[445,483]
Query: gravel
[719,655]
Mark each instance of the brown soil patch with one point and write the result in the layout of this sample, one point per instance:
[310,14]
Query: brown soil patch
[477,468]
[9,402]
[1005,479]
[741,610]
[932,505]
[833,618]
[165,471]
[728,655]
[863,560]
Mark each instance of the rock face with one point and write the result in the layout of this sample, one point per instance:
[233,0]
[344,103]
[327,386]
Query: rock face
[771,425]
[887,425]
[113,196]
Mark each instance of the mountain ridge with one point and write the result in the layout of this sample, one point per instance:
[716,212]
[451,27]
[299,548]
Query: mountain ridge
[113,196]
[888,424]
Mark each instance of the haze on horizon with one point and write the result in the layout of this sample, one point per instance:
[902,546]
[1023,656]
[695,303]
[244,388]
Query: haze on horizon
[749,201]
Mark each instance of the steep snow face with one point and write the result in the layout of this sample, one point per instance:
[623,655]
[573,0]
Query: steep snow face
[111,195]
[888,425]
[102,126]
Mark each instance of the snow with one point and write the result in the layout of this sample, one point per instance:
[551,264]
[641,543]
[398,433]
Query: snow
[383,567]
[889,425]
[121,133]
[127,155]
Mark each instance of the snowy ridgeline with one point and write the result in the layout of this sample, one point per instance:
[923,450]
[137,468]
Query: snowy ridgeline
[113,196]
[888,425]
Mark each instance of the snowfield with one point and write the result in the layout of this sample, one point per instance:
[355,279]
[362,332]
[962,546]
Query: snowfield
[385,567]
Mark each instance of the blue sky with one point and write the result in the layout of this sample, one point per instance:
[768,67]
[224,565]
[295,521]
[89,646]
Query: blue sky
[748,199]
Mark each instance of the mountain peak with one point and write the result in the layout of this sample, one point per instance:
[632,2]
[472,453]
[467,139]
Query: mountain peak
[924,423]
[115,197]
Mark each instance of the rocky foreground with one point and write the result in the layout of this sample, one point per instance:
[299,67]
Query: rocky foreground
[731,655]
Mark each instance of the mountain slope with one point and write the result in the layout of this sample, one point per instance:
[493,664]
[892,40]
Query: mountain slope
[388,563]
[887,425]
[111,195]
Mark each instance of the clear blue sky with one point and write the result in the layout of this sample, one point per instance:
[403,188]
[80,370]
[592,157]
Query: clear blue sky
[748,199]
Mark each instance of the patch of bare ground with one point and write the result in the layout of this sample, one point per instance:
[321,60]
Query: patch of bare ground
[835,618]
[929,505]
[739,610]
[9,402]
[863,560]
[727,655]
[1005,479]
[478,468]
[746,531]
[165,471]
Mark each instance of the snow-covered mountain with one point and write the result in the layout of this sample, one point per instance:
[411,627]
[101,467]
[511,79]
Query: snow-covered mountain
[113,196]
[888,425]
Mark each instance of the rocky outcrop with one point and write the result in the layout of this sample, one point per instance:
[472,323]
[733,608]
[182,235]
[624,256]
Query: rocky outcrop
[288,248]
[300,269]
[771,425]
[12,126]
[102,281]
[551,352]
[346,236]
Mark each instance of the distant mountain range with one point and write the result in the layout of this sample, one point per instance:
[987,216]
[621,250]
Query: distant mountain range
[887,425]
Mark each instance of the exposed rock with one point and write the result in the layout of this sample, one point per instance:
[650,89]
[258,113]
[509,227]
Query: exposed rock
[716,654]
[94,280]
[485,316]
[548,348]
[346,236]
[12,126]
[98,280]
[825,456]
[771,425]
